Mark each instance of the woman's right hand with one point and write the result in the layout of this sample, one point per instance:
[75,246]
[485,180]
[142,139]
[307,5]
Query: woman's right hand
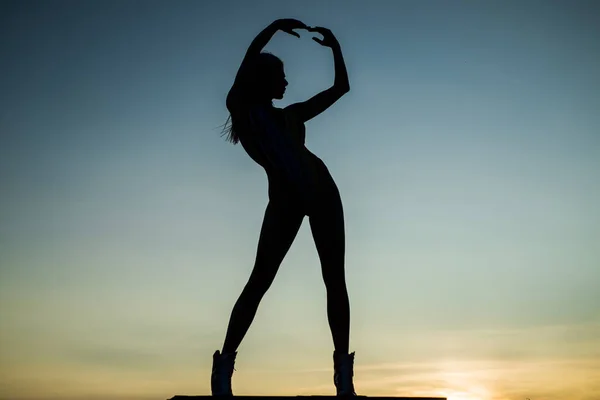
[288,25]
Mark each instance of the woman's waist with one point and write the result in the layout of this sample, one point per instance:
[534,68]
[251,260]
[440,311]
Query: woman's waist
[310,173]
[303,161]
[313,165]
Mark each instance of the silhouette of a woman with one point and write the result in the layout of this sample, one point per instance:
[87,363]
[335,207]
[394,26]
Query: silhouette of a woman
[299,185]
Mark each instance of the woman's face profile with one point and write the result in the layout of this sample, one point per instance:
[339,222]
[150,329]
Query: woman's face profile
[267,81]
[276,82]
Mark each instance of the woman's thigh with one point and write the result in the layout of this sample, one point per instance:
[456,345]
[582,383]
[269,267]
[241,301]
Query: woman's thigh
[327,226]
[280,226]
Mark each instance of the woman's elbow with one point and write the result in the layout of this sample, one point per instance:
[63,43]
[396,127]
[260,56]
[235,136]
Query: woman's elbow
[344,88]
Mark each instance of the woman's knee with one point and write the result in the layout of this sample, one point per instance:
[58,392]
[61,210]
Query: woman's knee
[335,282]
[257,285]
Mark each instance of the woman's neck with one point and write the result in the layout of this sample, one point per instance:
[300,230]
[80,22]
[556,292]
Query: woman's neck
[265,103]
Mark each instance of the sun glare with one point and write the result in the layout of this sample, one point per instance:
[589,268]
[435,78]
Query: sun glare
[463,383]
[460,395]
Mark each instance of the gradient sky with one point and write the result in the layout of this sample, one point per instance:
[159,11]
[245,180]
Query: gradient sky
[467,154]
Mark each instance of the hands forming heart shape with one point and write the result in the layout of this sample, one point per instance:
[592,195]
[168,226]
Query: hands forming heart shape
[288,25]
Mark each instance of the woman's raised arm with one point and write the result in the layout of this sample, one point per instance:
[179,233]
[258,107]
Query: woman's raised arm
[314,106]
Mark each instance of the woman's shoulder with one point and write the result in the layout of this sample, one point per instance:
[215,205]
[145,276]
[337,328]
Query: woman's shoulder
[249,109]
[291,116]
[251,120]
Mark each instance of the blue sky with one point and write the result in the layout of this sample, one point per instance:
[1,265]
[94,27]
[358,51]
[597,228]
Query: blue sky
[467,154]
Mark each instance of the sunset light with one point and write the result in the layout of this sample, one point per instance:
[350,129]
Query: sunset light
[443,181]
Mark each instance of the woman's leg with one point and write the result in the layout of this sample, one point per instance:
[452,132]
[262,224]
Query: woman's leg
[279,229]
[327,226]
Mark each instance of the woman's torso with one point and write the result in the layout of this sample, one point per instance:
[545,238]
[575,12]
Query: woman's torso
[313,169]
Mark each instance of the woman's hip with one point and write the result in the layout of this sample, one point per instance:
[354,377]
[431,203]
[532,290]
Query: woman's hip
[309,198]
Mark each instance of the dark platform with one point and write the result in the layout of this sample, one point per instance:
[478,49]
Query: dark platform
[305,398]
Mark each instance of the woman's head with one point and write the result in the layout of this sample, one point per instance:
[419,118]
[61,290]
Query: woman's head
[262,81]
[265,79]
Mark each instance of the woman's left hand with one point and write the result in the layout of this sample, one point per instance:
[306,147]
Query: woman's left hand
[328,39]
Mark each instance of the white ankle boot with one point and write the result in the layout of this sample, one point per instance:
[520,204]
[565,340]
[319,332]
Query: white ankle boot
[222,371]
[343,367]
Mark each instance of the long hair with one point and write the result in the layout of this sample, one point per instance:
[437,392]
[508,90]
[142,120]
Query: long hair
[253,79]
[229,131]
